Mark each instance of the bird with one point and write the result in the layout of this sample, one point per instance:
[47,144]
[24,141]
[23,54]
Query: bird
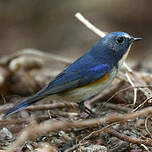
[88,76]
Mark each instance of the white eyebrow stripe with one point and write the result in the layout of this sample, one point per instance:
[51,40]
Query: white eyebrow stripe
[127,36]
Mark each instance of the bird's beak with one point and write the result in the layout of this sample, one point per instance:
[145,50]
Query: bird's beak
[135,39]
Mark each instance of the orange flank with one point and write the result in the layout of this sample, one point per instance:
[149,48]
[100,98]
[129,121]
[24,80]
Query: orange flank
[87,91]
[99,81]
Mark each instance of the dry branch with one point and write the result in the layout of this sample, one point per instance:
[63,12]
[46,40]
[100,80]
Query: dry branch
[42,106]
[147,142]
[88,24]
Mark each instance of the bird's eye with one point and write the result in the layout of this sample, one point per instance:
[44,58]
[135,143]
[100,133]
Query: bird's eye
[120,40]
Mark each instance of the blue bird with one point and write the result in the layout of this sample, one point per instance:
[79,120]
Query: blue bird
[87,76]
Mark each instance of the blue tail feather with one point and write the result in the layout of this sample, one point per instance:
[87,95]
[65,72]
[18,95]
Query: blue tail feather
[38,96]
[20,106]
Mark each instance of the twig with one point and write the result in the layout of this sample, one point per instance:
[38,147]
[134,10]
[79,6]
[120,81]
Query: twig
[42,106]
[117,107]
[63,114]
[145,147]
[147,142]
[96,132]
[122,90]
[150,98]
[23,120]
[133,85]
[127,67]
[88,24]
[138,81]
[148,123]
[52,106]
[12,121]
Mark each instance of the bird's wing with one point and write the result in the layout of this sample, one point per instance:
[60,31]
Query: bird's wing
[72,79]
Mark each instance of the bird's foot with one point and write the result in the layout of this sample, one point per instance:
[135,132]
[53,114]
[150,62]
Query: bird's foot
[86,110]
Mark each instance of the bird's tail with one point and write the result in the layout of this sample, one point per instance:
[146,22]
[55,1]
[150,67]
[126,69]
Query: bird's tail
[36,97]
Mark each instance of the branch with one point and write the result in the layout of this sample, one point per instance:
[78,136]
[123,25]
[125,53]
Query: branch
[89,25]
[147,142]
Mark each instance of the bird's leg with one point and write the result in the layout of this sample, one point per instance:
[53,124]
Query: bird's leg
[86,110]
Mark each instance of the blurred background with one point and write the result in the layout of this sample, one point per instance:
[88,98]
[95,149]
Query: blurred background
[50,25]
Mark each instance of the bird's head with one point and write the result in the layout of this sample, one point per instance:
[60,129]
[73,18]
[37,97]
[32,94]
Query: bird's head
[119,42]
[114,47]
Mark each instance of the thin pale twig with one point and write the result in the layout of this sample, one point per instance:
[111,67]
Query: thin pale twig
[89,25]
[42,106]
[147,142]
[133,85]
